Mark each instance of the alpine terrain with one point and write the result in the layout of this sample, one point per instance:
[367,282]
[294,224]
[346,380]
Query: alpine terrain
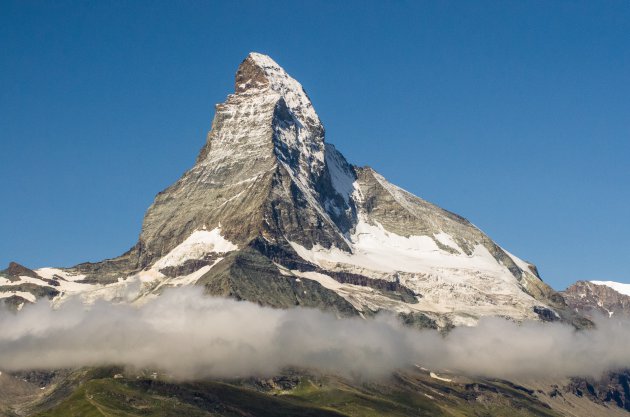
[268,195]
[272,213]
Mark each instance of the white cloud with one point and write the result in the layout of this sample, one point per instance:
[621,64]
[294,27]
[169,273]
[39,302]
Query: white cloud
[189,335]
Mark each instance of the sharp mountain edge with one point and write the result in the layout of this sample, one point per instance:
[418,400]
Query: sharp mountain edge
[273,214]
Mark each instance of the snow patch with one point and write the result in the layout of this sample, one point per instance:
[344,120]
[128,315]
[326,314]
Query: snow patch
[620,287]
[435,376]
[136,288]
[49,273]
[325,280]
[198,244]
[25,295]
[463,287]
[524,266]
[376,249]
[447,240]
[192,278]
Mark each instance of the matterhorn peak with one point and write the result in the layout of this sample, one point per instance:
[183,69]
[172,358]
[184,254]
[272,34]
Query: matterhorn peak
[259,73]
[267,181]
[272,214]
[255,72]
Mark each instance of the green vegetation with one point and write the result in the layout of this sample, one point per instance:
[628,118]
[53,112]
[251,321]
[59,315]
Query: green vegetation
[145,397]
[406,394]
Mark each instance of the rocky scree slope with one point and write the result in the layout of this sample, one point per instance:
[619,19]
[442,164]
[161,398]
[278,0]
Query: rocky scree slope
[273,214]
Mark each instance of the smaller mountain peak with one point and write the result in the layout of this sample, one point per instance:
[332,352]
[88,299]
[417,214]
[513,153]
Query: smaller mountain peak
[617,286]
[15,270]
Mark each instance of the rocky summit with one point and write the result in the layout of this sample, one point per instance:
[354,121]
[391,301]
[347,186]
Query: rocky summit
[272,213]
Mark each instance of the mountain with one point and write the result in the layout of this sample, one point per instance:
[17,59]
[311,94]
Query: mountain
[272,213]
[609,299]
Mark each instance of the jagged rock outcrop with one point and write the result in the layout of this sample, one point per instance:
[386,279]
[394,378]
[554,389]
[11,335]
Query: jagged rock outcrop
[20,285]
[15,271]
[612,389]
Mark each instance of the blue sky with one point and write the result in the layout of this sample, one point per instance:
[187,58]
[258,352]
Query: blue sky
[514,114]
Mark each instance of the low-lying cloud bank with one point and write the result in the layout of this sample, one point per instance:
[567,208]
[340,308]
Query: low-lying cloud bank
[189,335]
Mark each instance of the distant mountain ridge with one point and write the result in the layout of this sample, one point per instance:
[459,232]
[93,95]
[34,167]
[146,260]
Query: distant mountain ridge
[598,297]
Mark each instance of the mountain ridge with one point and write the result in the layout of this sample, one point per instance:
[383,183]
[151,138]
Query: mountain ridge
[602,298]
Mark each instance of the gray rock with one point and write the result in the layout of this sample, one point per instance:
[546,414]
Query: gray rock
[589,299]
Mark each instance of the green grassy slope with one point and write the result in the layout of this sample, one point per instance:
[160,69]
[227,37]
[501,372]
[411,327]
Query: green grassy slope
[406,394]
[123,398]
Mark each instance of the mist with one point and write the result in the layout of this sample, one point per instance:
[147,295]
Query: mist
[189,335]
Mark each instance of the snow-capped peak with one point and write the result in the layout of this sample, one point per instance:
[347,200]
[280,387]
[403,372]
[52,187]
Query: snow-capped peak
[260,71]
[266,173]
[621,288]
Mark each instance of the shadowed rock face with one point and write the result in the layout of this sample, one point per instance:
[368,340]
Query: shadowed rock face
[612,389]
[270,184]
[248,275]
[590,299]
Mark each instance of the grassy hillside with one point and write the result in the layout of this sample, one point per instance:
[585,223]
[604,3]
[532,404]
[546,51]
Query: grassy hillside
[403,395]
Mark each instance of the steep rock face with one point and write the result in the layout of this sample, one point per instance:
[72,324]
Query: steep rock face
[590,299]
[266,185]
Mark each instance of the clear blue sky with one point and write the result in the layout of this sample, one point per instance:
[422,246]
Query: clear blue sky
[514,114]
